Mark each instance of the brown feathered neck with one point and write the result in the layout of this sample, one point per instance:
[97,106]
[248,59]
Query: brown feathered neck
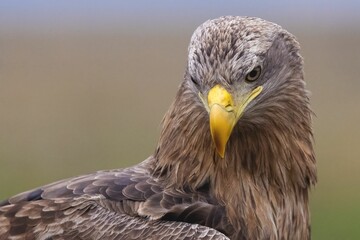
[269,158]
[274,142]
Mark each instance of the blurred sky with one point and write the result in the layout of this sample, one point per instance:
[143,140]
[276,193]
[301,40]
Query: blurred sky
[42,14]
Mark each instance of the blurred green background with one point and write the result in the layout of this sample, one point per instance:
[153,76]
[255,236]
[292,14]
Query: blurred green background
[84,86]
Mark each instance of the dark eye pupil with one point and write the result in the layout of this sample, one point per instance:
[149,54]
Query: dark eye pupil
[253,73]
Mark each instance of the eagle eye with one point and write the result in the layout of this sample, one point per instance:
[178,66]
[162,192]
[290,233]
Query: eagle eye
[253,74]
[194,81]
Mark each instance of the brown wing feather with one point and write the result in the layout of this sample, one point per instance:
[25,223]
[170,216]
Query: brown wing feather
[118,204]
[82,218]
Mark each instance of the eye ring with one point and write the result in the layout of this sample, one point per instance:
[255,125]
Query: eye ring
[254,74]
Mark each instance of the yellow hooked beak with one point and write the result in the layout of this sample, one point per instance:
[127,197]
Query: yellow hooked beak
[224,114]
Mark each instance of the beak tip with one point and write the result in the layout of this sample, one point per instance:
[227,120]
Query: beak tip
[220,150]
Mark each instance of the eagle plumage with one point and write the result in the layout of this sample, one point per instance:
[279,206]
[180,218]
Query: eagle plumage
[235,157]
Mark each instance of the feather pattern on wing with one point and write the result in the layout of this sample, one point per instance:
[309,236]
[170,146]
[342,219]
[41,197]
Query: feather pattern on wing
[129,201]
